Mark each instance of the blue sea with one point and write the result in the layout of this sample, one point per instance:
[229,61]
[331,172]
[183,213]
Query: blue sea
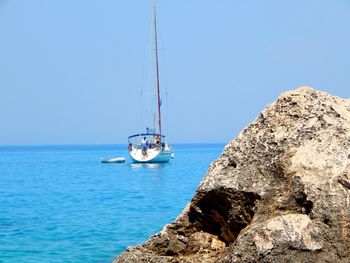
[61,204]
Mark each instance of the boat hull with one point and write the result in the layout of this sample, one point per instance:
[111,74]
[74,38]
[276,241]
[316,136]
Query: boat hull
[152,156]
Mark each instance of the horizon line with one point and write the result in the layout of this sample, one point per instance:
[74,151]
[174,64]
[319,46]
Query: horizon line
[97,144]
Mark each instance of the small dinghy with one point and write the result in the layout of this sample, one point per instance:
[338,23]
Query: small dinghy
[113,160]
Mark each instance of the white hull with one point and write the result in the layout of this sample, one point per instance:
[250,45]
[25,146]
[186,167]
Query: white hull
[152,156]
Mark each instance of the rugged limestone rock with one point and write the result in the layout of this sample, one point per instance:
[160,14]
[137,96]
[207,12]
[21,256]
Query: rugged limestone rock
[278,193]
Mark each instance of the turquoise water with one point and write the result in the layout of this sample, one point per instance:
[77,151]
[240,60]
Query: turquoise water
[60,204]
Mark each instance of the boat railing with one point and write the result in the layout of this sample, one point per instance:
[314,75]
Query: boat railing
[145,135]
[152,145]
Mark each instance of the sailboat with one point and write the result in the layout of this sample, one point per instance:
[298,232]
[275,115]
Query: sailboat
[151,146]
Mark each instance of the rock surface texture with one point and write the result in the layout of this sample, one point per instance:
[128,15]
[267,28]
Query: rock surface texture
[280,192]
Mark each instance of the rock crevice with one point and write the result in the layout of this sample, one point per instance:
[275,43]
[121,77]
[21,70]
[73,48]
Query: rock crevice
[223,212]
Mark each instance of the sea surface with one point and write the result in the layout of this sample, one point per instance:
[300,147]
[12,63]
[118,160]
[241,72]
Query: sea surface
[61,204]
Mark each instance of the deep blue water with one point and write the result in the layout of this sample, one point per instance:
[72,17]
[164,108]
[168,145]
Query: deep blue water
[60,204]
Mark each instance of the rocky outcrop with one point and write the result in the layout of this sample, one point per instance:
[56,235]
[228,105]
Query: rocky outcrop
[278,193]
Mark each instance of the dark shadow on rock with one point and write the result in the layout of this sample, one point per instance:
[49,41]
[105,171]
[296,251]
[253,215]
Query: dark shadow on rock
[223,212]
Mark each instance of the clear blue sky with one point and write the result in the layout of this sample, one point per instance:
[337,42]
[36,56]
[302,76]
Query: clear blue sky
[71,71]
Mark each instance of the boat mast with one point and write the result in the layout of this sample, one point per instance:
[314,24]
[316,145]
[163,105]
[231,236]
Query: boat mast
[157,69]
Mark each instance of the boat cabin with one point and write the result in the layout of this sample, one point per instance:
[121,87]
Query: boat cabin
[153,140]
